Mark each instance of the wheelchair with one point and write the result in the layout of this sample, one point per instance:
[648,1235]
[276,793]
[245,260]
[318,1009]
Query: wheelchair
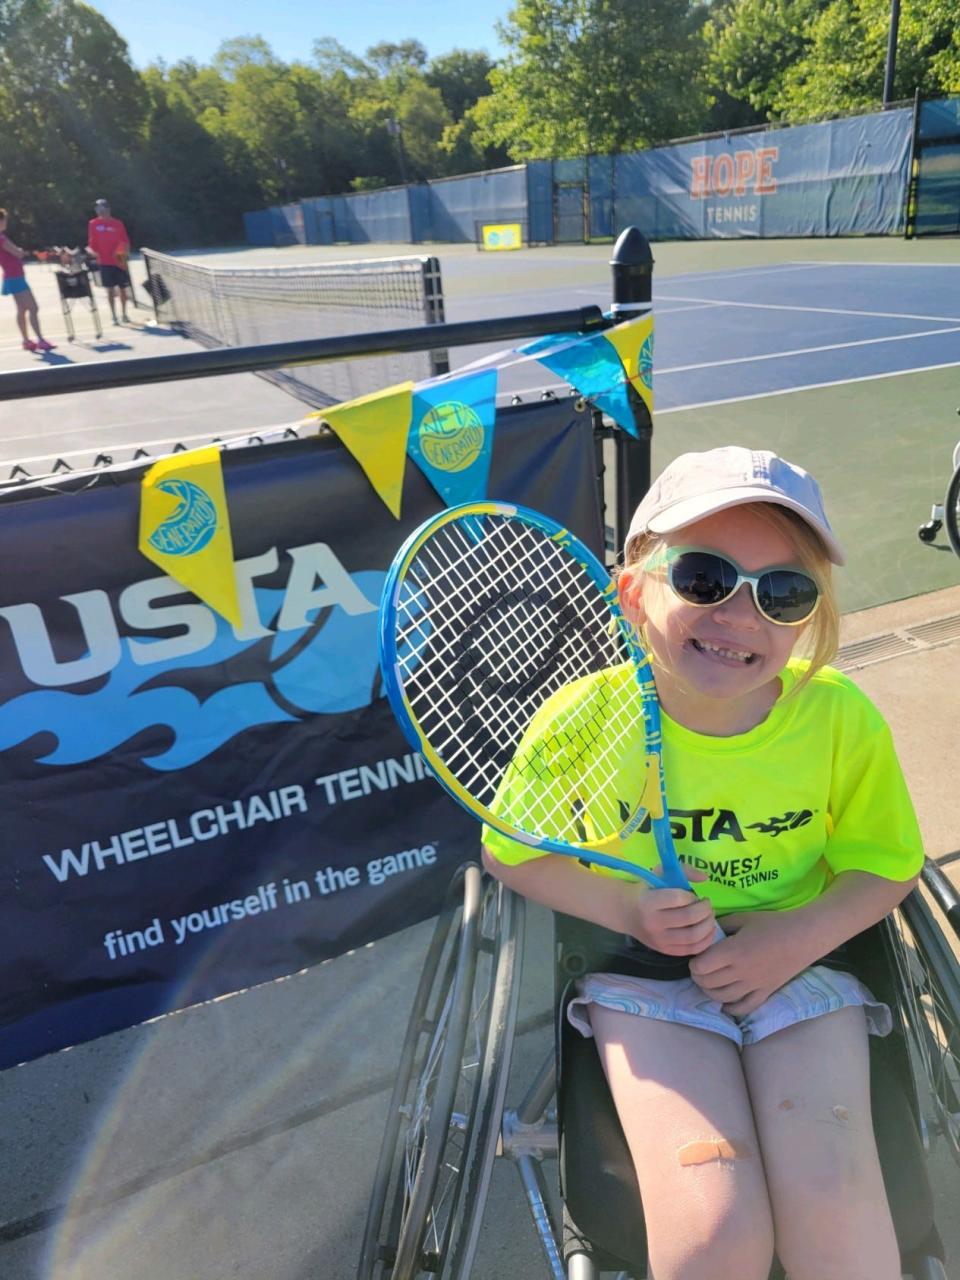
[74,284]
[948,513]
[447,1121]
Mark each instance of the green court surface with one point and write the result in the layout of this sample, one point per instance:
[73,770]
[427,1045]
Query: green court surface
[881,451]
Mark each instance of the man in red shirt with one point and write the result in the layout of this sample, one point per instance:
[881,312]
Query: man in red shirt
[108,241]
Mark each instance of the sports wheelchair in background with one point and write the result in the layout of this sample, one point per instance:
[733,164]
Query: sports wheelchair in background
[75,272]
[947,514]
[447,1121]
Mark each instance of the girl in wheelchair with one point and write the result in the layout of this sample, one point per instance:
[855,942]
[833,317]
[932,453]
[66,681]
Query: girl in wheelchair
[737,1057]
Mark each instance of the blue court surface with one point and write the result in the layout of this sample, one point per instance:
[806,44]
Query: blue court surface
[732,335]
[736,335]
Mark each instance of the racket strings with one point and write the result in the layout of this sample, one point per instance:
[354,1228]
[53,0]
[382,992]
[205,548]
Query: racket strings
[486,611]
[473,569]
[495,618]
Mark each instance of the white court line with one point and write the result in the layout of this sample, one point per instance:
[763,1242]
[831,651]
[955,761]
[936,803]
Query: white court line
[810,386]
[806,351]
[830,311]
[694,306]
[835,262]
[655,308]
[739,273]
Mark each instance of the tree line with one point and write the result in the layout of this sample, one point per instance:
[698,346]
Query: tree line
[182,150]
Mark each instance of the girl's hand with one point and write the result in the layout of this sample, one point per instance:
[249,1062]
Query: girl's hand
[759,955]
[674,922]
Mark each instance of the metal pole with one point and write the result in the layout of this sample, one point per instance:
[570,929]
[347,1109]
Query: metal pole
[22,384]
[891,53]
[632,268]
[910,200]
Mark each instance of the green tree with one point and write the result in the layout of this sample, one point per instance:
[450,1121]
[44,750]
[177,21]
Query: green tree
[387,56]
[198,183]
[333,59]
[290,123]
[843,67]
[461,77]
[805,59]
[586,76]
[751,44]
[423,119]
[73,110]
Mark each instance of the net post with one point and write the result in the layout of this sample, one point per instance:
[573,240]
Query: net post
[632,269]
[148,262]
[433,311]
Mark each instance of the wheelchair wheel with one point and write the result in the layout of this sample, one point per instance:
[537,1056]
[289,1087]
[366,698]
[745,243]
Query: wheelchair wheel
[930,985]
[951,511]
[443,1124]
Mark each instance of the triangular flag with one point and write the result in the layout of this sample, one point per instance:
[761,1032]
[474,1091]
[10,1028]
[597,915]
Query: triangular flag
[451,435]
[185,527]
[548,343]
[593,366]
[633,342]
[374,428]
[616,404]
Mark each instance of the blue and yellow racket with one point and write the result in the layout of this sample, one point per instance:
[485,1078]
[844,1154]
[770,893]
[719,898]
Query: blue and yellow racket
[512,670]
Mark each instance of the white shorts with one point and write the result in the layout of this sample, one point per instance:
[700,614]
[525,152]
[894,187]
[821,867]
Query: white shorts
[810,994]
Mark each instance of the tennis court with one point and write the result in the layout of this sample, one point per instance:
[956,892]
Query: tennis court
[770,330]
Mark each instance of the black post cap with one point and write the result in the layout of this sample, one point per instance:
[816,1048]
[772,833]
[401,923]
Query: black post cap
[632,265]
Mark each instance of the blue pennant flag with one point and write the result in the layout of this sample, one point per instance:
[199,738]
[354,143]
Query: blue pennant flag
[593,367]
[451,434]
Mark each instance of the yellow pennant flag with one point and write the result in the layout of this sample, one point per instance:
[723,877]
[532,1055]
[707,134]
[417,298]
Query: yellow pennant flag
[375,428]
[633,343]
[185,527]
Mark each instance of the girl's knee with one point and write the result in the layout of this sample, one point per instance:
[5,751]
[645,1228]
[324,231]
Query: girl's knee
[722,1256]
[834,1223]
[734,1241]
[840,1254]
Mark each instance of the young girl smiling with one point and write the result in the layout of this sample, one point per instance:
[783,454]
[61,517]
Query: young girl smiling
[738,1061]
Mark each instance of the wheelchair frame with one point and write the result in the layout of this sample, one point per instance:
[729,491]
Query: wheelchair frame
[447,1122]
[947,514]
[74,284]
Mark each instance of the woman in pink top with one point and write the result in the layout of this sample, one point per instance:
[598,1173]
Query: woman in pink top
[15,284]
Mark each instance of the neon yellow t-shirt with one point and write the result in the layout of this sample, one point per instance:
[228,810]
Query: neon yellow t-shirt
[771,815]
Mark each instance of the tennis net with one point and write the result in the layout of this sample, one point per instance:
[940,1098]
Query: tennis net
[253,306]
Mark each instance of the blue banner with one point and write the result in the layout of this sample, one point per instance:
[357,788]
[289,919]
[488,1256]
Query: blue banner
[840,177]
[191,807]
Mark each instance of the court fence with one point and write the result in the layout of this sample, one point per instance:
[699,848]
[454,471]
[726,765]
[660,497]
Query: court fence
[834,178]
[933,203]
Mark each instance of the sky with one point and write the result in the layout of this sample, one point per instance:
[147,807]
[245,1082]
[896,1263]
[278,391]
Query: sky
[177,29]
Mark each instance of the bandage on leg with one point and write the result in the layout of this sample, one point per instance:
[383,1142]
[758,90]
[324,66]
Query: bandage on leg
[705,1150]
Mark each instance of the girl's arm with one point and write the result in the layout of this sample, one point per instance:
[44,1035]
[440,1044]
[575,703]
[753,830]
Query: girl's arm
[765,949]
[852,902]
[671,921]
[11,247]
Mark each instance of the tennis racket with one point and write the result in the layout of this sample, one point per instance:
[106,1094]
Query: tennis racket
[511,669]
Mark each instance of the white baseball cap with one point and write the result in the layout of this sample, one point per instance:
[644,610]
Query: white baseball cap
[696,485]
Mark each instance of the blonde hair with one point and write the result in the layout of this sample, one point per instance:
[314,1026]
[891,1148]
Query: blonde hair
[820,638]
